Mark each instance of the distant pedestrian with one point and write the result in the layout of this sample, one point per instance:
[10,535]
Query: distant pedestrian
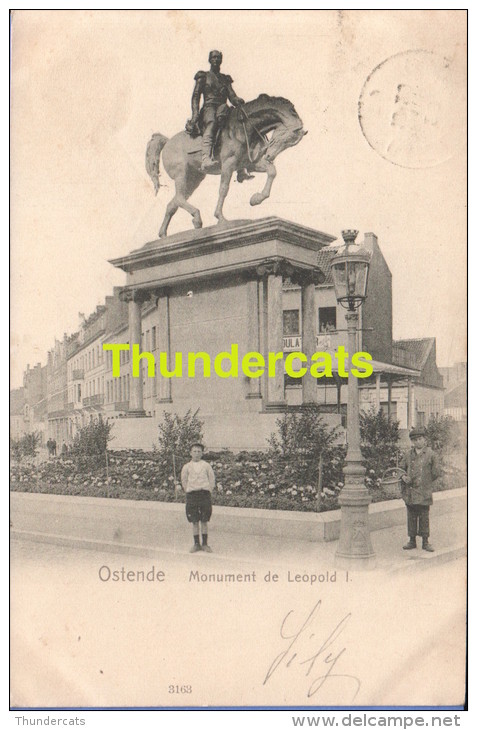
[198,482]
[422,469]
[64,449]
[53,447]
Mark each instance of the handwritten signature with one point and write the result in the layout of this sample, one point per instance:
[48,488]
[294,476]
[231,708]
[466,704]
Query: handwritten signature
[299,646]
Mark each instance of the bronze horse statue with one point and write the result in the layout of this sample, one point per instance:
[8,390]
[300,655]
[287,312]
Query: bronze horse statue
[243,144]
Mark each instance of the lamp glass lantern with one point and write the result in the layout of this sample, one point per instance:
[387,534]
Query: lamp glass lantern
[349,268]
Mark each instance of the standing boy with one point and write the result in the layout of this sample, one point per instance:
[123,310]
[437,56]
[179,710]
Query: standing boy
[422,469]
[198,481]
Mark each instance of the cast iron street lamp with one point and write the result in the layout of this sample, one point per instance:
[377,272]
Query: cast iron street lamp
[350,268]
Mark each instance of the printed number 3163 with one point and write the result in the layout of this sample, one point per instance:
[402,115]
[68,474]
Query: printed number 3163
[183,689]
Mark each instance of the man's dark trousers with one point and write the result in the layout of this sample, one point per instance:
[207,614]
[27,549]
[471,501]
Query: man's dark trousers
[417,520]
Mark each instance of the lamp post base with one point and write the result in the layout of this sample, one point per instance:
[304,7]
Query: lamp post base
[355,551]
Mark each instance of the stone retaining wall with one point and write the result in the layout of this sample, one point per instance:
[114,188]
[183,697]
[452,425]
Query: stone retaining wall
[138,523]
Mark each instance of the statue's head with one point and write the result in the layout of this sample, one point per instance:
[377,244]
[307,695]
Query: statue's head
[215,57]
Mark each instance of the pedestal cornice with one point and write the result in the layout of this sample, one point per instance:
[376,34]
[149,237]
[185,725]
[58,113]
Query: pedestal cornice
[196,243]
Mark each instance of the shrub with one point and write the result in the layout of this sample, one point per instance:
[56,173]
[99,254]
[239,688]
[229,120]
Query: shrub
[176,434]
[92,439]
[442,433]
[15,449]
[379,445]
[301,441]
[25,446]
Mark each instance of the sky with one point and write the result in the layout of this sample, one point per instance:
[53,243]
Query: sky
[89,88]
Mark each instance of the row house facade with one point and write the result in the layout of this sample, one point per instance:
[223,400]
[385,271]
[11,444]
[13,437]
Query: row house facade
[57,389]
[35,400]
[90,392]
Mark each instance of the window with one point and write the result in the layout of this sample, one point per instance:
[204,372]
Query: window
[292,381]
[153,338]
[291,322]
[326,319]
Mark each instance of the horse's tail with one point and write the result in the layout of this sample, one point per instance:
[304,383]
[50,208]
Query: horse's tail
[153,154]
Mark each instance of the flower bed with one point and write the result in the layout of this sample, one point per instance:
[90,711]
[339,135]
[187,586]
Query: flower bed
[248,479]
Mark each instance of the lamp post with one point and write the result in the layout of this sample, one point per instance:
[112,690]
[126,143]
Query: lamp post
[350,268]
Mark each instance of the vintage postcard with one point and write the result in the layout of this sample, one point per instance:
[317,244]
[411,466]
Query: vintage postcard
[238,408]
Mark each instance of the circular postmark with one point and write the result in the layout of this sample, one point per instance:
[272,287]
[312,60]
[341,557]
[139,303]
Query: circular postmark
[412,109]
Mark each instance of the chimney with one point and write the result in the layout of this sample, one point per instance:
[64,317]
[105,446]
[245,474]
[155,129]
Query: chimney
[370,241]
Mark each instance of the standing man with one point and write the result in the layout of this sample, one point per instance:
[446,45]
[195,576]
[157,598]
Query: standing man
[422,469]
[216,88]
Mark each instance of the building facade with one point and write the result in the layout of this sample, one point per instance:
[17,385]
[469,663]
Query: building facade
[35,400]
[272,292]
[91,390]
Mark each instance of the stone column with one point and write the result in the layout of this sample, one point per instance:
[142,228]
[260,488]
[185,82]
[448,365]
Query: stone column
[164,391]
[410,404]
[308,342]
[136,406]
[390,396]
[378,391]
[276,385]
[254,344]
[135,298]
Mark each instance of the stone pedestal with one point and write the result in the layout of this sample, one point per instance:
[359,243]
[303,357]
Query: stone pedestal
[216,287]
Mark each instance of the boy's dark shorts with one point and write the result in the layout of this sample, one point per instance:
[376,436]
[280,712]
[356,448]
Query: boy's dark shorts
[199,505]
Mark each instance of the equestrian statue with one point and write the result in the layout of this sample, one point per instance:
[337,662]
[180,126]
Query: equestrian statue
[219,139]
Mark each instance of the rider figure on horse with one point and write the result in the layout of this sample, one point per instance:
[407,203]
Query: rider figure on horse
[216,88]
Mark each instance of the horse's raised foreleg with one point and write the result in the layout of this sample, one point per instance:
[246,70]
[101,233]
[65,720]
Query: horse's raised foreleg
[264,165]
[227,169]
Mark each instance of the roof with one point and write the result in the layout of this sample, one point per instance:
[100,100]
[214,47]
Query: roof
[420,348]
[323,260]
[384,368]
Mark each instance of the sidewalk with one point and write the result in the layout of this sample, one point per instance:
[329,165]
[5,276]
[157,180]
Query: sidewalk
[448,537]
